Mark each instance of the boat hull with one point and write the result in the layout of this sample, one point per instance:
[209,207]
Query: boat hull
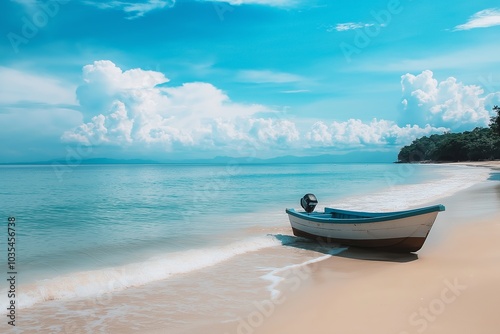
[404,245]
[404,234]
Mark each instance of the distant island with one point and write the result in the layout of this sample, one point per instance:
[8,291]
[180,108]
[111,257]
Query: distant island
[92,161]
[350,157]
[476,145]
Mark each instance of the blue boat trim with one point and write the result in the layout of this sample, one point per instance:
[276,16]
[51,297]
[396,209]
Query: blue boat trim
[337,216]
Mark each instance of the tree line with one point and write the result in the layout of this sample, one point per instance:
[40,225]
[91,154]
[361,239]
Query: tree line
[478,144]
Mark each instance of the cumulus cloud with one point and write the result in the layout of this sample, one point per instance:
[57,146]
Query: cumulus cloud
[135,107]
[448,103]
[355,133]
[482,19]
[274,131]
[139,110]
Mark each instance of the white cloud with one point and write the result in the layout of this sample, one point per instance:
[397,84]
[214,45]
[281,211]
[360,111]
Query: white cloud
[136,109]
[34,110]
[448,103]
[267,76]
[349,26]
[482,19]
[107,73]
[24,87]
[274,131]
[134,9]
[117,125]
[355,133]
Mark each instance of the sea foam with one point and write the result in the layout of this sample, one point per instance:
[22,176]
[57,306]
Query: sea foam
[400,197]
[90,284]
[275,275]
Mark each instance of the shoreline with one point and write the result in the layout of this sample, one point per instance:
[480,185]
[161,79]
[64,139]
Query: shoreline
[451,288]
[493,164]
[225,298]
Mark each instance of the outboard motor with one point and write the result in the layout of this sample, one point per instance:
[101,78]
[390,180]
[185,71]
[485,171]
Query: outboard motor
[308,202]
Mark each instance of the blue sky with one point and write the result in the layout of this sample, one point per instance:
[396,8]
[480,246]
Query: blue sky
[165,79]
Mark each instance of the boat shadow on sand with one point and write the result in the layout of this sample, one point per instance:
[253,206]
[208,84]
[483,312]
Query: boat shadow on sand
[350,252]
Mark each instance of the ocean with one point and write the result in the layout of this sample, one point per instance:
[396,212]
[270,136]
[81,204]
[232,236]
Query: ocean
[128,248]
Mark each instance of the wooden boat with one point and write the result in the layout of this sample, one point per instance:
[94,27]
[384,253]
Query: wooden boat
[402,231]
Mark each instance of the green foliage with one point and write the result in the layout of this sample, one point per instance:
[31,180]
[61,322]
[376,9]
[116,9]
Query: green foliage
[478,144]
[495,121]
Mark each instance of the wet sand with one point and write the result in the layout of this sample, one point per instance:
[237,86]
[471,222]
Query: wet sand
[449,286]
[453,286]
[495,164]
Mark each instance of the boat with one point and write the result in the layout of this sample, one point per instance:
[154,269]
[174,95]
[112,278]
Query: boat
[401,231]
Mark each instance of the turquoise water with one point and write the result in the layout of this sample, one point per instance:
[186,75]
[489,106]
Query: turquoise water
[138,224]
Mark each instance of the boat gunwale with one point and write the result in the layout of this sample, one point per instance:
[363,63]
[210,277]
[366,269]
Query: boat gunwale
[373,217]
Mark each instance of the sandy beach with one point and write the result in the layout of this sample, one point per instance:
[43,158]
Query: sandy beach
[495,164]
[294,286]
[452,287]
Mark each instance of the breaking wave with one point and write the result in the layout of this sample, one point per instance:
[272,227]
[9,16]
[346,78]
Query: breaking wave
[88,284]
